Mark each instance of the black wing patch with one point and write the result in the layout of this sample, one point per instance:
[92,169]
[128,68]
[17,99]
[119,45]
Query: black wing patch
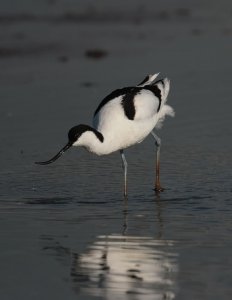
[128,102]
[112,96]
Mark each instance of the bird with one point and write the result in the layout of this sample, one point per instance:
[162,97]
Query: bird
[124,118]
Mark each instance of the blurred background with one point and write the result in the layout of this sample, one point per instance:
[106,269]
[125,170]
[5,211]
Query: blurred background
[57,57]
[58,60]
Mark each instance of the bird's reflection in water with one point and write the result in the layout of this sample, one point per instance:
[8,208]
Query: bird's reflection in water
[122,266]
[117,265]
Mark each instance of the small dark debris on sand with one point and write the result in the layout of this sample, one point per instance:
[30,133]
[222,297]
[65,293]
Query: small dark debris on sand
[96,53]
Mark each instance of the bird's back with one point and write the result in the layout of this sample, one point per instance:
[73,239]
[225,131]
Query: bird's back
[129,114]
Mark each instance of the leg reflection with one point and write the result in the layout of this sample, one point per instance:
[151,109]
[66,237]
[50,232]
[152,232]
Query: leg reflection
[159,218]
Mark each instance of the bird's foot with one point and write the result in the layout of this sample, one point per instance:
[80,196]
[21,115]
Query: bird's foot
[125,197]
[125,194]
[158,188]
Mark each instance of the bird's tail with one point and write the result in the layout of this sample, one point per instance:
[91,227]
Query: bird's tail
[161,89]
[163,85]
[148,80]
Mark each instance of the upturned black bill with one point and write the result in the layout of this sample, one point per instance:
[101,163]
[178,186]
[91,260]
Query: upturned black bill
[60,153]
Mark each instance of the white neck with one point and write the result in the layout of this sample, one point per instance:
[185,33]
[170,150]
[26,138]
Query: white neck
[92,143]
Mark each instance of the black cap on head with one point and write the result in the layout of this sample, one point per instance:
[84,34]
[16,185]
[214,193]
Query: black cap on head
[76,131]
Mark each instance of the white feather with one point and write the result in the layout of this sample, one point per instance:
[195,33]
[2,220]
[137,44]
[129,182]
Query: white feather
[166,110]
[151,78]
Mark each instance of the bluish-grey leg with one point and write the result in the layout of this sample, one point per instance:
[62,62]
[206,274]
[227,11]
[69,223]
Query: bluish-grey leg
[124,166]
[158,187]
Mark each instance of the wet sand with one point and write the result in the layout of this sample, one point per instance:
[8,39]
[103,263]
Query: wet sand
[66,231]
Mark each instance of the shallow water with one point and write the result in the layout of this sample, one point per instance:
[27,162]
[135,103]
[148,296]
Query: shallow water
[66,230]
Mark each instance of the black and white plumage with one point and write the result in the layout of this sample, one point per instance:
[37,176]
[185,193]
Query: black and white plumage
[124,118]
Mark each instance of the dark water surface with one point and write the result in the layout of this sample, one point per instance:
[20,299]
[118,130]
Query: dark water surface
[66,231]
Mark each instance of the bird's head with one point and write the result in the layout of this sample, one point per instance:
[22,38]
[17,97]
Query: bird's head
[75,138]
